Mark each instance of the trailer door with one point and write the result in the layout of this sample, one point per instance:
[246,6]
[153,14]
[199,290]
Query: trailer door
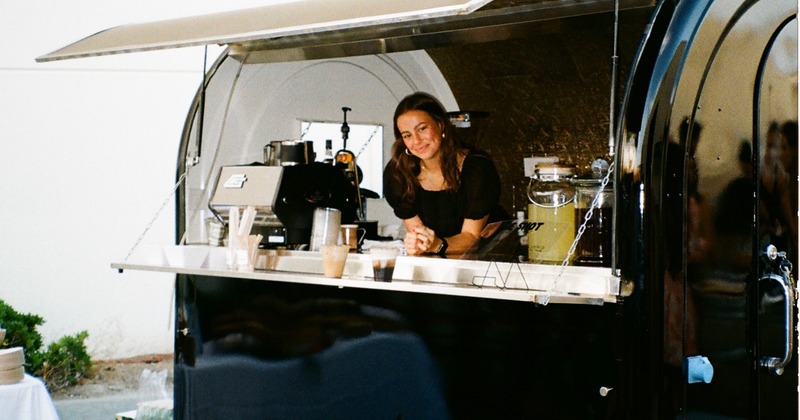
[706,207]
[741,212]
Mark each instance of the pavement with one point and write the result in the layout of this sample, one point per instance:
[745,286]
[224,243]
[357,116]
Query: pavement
[116,386]
[96,408]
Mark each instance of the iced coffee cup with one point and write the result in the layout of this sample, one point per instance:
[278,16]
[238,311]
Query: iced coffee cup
[333,260]
[383,261]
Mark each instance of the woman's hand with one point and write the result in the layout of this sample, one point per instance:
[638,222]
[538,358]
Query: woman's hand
[421,240]
[410,242]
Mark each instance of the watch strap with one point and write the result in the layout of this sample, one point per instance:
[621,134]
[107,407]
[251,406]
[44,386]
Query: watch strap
[442,248]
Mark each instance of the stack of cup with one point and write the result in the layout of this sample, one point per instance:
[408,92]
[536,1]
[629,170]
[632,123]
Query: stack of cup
[242,247]
[11,361]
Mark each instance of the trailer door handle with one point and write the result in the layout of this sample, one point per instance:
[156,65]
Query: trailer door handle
[783,266]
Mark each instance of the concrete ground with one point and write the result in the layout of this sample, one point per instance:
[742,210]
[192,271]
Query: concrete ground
[96,408]
[116,386]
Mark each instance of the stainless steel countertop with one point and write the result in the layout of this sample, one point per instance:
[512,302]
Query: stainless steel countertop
[538,283]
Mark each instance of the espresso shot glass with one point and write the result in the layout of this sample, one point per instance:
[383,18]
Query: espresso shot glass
[383,262]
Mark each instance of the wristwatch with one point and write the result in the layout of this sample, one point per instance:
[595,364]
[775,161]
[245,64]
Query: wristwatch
[442,248]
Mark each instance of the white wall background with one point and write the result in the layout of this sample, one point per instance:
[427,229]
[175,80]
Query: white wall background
[87,157]
[88,152]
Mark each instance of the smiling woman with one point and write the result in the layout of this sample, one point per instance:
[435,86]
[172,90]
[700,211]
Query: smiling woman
[445,191]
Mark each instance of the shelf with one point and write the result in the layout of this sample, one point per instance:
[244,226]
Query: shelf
[542,284]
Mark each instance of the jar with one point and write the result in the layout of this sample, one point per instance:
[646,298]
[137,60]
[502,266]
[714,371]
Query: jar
[594,245]
[551,213]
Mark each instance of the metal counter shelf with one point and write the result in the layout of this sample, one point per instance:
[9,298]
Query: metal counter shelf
[538,283]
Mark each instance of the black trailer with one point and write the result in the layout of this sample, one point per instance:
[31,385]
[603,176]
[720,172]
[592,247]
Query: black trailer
[695,103]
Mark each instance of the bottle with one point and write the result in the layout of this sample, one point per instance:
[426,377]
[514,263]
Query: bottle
[346,161]
[328,160]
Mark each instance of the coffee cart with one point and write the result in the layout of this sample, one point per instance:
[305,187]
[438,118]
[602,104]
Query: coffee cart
[695,317]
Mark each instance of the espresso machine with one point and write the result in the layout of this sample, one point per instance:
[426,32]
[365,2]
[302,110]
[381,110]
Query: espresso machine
[284,198]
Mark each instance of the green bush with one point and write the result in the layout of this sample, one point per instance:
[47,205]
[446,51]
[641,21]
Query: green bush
[64,362]
[21,332]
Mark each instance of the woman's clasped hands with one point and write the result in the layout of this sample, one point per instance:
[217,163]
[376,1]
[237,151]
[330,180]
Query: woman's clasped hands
[421,240]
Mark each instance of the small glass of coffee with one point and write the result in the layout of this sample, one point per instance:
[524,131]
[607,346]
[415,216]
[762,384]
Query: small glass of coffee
[383,261]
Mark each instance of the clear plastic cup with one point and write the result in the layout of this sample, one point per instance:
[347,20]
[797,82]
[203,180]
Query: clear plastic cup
[383,262]
[333,259]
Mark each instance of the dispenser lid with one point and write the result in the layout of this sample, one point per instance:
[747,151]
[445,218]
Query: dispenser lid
[555,170]
[592,183]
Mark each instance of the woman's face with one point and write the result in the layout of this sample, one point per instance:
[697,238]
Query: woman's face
[421,134]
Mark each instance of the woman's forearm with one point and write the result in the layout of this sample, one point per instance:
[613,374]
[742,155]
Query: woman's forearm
[421,239]
[460,243]
[470,232]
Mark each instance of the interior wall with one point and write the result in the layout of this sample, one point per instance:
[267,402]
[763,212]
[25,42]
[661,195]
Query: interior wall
[547,94]
[270,99]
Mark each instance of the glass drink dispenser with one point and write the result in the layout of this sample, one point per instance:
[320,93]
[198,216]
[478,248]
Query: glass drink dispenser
[551,213]
[594,245]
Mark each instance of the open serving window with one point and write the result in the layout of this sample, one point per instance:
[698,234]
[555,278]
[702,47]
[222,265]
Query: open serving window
[284,67]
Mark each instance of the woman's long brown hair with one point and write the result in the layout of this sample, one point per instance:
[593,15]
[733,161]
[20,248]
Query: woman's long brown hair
[408,166]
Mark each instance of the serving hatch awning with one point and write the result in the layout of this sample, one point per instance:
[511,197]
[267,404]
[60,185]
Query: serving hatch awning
[310,29]
[266,22]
